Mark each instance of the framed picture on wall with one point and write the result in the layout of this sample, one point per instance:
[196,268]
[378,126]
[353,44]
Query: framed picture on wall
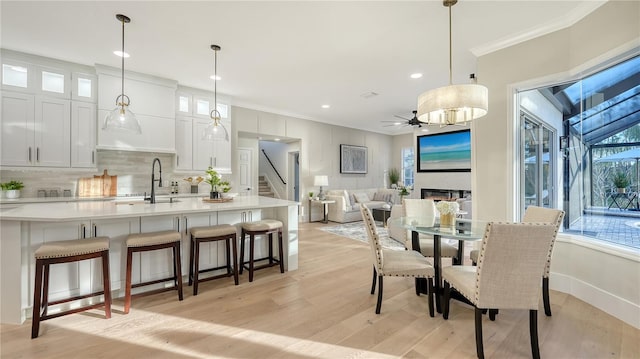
[445,152]
[353,159]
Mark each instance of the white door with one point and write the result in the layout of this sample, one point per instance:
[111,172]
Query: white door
[17,129]
[245,164]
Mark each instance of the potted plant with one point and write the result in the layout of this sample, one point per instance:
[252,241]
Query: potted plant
[12,188]
[215,180]
[310,195]
[621,181]
[394,176]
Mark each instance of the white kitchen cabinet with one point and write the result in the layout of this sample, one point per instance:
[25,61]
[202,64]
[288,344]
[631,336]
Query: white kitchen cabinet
[53,82]
[184,146]
[18,76]
[35,131]
[83,134]
[84,87]
[216,154]
[152,100]
[52,132]
[17,129]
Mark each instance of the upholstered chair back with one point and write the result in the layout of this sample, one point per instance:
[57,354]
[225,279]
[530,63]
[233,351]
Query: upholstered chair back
[511,262]
[418,208]
[545,215]
[374,239]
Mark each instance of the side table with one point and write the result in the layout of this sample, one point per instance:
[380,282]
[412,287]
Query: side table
[325,206]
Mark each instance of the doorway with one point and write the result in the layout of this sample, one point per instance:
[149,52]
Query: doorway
[537,163]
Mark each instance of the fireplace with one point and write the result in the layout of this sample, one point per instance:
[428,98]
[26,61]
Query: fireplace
[437,194]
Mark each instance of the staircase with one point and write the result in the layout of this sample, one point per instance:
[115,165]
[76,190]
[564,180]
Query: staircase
[263,188]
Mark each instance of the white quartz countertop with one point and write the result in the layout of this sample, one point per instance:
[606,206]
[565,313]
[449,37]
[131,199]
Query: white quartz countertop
[128,207]
[24,200]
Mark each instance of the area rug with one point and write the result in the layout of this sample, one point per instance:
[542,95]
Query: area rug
[356,230]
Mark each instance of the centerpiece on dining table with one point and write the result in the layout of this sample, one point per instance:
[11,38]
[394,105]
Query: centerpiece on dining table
[448,212]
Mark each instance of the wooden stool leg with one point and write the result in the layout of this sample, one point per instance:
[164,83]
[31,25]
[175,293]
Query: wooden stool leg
[177,269]
[251,245]
[196,266]
[270,248]
[106,283]
[127,290]
[227,249]
[241,251]
[37,297]
[281,251]
[191,250]
[45,291]
[235,259]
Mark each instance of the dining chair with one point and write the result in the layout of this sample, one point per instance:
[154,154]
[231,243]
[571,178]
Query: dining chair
[394,263]
[522,248]
[426,208]
[538,214]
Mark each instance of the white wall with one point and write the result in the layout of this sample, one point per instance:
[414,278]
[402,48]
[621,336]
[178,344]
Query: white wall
[607,279]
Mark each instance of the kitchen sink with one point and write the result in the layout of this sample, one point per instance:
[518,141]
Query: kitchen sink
[141,201]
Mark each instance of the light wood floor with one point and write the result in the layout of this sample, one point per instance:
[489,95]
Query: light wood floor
[322,310]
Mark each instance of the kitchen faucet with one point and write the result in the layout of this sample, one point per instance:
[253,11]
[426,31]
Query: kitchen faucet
[153,179]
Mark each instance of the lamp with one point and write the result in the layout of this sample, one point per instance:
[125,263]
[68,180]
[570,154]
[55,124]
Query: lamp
[215,131]
[321,181]
[453,104]
[121,118]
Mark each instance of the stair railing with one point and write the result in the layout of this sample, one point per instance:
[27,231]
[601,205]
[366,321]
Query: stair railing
[274,167]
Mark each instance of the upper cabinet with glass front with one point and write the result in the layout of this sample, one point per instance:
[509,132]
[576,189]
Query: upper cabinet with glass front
[18,76]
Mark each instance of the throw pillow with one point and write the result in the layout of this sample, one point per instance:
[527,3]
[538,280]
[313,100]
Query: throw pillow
[361,197]
[380,197]
[352,200]
[347,200]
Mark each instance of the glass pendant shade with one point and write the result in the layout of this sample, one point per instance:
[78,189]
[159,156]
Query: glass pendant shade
[215,131]
[121,118]
[453,104]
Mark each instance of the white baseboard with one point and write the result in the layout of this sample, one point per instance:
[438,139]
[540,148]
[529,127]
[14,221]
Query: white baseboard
[620,308]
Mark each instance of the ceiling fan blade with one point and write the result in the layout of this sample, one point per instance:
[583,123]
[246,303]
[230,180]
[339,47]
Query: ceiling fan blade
[406,119]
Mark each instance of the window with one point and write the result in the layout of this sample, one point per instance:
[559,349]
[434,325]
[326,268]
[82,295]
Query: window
[596,119]
[52,82]
[202,107]
[183,104]
[84,87]
[407,166]
[14,75]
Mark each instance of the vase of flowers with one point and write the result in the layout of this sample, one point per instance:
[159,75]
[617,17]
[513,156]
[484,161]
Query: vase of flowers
[215,180]
[403,191]
[447,211]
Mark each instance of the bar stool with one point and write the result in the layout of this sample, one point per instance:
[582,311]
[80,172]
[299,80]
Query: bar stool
[152,241]
[222,232]
[264,227]
[65,252]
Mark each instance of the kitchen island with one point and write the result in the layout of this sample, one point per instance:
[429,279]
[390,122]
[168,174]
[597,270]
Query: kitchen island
[24,228]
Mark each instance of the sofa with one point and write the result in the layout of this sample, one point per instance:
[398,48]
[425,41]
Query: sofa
[347,202]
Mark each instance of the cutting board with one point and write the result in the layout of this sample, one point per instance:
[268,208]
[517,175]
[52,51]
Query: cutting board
[104,185]
[109,184]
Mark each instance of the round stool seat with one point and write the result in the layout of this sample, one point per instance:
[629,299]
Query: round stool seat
[74,247]
[263,225]
[152,238]
[213,231]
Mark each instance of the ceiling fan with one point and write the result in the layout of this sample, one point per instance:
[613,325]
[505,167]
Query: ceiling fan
[407,122]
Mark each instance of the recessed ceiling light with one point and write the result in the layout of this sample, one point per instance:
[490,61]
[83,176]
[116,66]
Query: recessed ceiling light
[397,123]
[425,130]
[276,139]
[326,106]
[120,53]
[217,78]
[416,76]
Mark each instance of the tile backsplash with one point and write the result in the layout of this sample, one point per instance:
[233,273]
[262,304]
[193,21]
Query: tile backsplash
[132,168]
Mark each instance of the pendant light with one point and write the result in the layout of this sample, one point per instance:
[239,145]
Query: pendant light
[121,118]
[453,104]
[215,131]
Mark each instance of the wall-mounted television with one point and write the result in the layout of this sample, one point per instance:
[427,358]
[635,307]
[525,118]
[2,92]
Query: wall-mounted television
[445,152]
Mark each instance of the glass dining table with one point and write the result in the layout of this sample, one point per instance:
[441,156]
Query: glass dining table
[463,230]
